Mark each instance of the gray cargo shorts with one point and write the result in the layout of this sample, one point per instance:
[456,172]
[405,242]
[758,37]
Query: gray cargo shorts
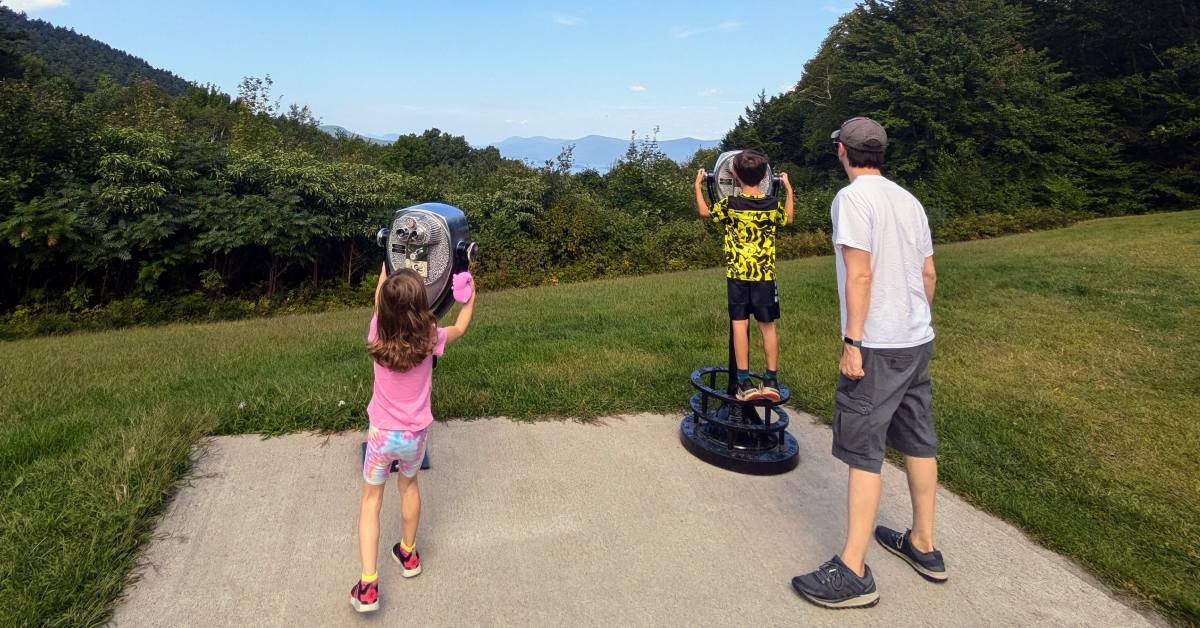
[889,406]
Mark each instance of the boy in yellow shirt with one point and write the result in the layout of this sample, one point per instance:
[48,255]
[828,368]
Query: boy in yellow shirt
[750,220]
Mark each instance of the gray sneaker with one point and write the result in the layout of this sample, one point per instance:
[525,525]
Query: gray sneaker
[834,585]
[929,565]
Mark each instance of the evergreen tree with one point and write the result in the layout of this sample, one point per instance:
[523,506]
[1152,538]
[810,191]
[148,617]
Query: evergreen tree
[1138,61]
[975,118]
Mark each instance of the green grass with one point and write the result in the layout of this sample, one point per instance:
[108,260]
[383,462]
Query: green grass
[1066,392]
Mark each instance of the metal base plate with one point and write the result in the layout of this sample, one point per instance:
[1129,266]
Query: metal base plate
[711,449]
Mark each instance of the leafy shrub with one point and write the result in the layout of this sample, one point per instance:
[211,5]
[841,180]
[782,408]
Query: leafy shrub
[978,226]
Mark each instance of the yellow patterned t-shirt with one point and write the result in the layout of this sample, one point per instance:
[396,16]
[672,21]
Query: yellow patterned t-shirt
[750,223]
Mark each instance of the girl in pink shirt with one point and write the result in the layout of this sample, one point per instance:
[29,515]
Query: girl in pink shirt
[402,341]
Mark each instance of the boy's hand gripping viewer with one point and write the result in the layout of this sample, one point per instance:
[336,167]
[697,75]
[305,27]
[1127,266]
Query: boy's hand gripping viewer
[432,239]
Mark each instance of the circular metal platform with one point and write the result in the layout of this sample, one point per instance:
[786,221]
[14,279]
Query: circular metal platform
[743,436]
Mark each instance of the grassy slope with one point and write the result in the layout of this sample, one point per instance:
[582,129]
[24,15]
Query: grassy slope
[1065,378]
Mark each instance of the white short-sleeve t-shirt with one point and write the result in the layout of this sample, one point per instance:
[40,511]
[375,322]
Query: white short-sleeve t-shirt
[876,215]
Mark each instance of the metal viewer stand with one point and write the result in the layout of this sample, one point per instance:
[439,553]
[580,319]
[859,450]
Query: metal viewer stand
[743,436]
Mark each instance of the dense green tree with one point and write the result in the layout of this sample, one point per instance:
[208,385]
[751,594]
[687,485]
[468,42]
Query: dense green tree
[647,183]
[10,54]
[1137,61]
[417,153]
[39,131]
[993,105]
[975,118]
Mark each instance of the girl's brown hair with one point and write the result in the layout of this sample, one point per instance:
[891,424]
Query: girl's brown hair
[406,330]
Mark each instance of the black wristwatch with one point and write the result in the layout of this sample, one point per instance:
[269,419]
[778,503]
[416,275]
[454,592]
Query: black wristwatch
[852,342]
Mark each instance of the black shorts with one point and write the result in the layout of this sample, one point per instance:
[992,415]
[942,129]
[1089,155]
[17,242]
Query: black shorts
[889,406]
[760,298]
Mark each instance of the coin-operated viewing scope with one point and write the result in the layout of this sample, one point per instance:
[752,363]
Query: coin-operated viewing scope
[721,183]
[433,240]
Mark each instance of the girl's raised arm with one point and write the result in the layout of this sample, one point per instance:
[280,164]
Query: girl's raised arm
[379,284]
[459,329]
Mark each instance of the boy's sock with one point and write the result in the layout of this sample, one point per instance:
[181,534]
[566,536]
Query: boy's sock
[743,375]
[769,375]
[406,548]
[368,579]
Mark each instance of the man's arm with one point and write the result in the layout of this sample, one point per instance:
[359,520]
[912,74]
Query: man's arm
[459,329]
[858,299]
[701,204]
[789,204]
[929,276]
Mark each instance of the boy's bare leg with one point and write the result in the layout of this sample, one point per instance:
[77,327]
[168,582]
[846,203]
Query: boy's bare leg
[368,525]
[770,345]
[741,343]
[410,506]
[922,489]
[862,503]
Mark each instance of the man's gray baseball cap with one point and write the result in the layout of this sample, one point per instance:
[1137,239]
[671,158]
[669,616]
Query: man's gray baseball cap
[862,134]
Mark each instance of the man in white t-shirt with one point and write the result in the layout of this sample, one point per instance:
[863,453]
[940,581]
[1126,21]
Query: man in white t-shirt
[886,279]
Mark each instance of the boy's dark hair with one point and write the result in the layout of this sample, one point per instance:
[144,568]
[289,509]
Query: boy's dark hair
[750,166]
[864,158]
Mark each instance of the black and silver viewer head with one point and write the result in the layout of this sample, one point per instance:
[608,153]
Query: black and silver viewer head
[720,182]
[432,239]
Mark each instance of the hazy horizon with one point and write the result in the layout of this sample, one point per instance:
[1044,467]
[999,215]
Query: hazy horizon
[389,135]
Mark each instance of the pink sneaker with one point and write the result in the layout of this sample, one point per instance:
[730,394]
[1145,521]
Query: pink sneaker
[410,563]
[365,597]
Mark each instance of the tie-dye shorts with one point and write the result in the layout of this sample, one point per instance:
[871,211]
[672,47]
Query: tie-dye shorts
[385,446]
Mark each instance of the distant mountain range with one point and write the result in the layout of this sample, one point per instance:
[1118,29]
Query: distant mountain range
[592,151]
[336,130]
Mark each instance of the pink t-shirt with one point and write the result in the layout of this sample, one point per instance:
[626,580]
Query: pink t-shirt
[400,400]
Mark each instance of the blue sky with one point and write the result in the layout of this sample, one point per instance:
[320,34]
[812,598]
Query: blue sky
[483,70]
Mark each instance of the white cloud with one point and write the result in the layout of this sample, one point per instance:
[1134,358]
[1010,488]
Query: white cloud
[712,91]
[836,9]
[510,121]
[683,32]
[566,20]
[637,88]
[29,6]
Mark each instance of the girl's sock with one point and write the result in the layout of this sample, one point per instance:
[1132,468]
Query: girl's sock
[406,548]
[368,579]
[769,375]
[743,375]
